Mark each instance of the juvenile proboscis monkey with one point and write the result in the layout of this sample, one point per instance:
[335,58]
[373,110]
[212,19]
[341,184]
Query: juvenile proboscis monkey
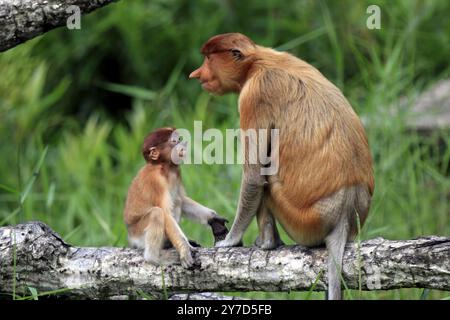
[325,181]
[156,200]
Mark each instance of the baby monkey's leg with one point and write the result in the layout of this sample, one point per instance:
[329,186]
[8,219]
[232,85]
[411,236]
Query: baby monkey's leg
[155,239]
[179,240]
[154,235]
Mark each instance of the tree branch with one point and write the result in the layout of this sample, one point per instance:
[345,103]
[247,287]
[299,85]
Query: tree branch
[44,261]
[22,20]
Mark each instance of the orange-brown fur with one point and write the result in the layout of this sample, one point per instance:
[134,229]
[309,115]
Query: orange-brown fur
[325,177]
[148,189]
[325,150]
[156,200]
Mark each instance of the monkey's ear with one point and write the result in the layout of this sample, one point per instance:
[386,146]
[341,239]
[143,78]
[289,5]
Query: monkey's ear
[237,54]
[154,153]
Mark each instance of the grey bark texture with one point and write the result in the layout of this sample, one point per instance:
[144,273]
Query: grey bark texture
[22,20]
[44,261]
[431,109]
[203,296]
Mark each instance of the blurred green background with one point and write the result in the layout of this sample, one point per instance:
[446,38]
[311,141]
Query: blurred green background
[76,104]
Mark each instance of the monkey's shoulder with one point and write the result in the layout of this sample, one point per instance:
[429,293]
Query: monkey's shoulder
[148,172]
[272,87]
[149,179]
[265,93]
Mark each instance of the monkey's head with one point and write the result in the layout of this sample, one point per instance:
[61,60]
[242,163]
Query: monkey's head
[164,145]
[228,58]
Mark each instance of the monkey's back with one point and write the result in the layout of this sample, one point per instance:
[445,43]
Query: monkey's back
[144,193]
[323,146]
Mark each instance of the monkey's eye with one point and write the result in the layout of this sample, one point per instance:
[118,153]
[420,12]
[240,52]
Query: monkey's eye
[180,138]
[236,54]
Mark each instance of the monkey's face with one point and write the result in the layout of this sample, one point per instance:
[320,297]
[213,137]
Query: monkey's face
[208,77]
[222,72]
[177,148]
[228,58]
[164,146]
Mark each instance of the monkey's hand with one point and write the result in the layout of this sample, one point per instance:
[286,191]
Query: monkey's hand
[218,227]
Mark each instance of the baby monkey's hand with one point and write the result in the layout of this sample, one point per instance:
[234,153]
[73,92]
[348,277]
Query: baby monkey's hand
[218,227]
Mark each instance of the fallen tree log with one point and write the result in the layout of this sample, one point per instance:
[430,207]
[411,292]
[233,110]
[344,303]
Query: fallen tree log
[35,256]
[22,20]
[426,113]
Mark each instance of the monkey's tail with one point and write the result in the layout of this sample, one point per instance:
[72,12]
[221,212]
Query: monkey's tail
[335,243]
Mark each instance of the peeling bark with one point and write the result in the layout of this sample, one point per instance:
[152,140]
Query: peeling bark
[22,20]
[44,261]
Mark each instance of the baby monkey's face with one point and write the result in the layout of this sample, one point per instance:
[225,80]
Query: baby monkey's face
[179,147]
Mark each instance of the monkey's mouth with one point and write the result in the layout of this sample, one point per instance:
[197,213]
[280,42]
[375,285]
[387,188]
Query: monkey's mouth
[206,85]
[212,86]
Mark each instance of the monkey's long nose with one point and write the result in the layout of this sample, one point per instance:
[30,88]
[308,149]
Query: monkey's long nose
[195,74]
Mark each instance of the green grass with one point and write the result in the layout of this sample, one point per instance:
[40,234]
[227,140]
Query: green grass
[78,104]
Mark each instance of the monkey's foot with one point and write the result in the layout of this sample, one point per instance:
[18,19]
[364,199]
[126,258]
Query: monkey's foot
[268,243]
[187,261]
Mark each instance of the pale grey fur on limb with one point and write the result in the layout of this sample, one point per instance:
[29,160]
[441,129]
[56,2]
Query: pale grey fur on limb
[22,20]
[44,261]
